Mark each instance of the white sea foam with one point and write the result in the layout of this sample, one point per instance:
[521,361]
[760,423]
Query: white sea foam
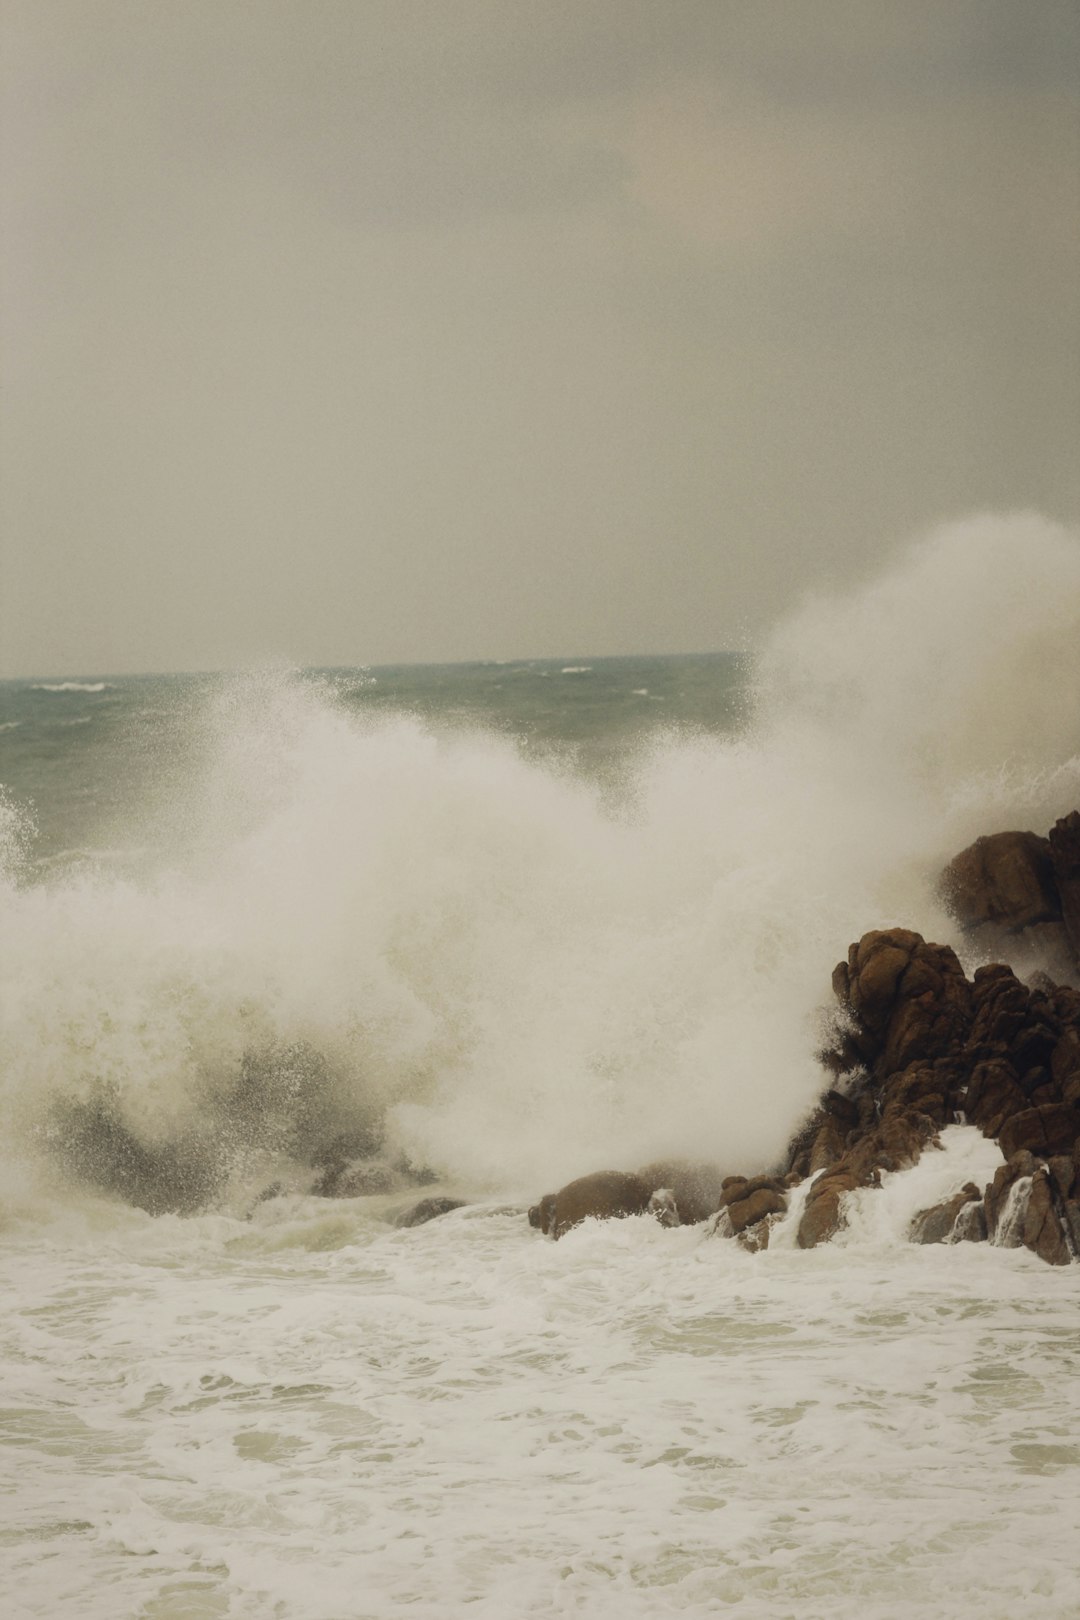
[308,1413]
[72,686]
[532,984]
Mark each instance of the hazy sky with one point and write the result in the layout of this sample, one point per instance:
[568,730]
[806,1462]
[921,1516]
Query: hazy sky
[349,331]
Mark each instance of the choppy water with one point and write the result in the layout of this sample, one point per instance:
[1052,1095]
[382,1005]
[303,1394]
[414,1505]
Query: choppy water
[509,936]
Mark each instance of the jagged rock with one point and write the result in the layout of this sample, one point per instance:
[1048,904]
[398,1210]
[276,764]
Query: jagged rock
[971,1223]
[1042,1231]
[736,1189]
[604,1195]
[1064,1174]
[755,1238]
[1065,1066]
[1064,844]
[428,1209]
[922,1087]
[1002,883]
[938,1224]
[894,1144]
[823,1216]
[993,1094]
[1004,1217]
[758,1203]
[1045,1131]
[827,1147]
[907,1000]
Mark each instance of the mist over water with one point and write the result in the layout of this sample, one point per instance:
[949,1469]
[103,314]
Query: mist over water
[362,926]
[443,919]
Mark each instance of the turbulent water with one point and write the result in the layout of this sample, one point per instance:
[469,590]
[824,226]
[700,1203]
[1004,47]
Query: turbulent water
[479,929]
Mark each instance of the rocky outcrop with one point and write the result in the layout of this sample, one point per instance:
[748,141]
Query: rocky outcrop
[1064,844]
[928,1046]
[939,1223]
[677,1191]
[604,1195]
[1017,895]
[1003,883]
[919,1045]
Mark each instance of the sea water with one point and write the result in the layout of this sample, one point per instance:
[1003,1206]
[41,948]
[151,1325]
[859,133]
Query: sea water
[508,923]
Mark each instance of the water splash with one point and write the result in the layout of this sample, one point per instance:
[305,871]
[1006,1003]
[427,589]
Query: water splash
[489,967]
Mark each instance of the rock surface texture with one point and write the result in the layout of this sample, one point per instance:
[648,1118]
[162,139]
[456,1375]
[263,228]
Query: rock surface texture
[920,1045]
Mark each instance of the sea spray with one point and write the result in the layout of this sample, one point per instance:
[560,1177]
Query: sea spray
[377,929]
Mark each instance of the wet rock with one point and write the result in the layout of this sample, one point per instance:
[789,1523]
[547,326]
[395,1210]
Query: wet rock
[938,1224]
[762,1201]
[662,1204]
[1064,844]
[94,1142]
[823,1216]
[971,1223]
[428,1209]
[366,1179]
[993,1094]
[1064,1174]
[1045,1131]
[907,1000]
[1065,1066]
[1005,1200]
[1002,883]
[1042,1231]
[695,1186]
[604,1195]
[827,1147]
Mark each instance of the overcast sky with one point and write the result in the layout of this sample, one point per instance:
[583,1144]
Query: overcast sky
[350,331]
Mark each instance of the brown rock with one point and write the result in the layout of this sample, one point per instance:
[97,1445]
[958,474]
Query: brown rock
[739,1188]
[748,1211]
[1045,1131]
[971,1224]
[604,1195]
[1065,1065]
[827,1147]
[1064,1175]
[823,1216]
[907,999]
[1002,883]
[1004,1215]
[696,1187]
[1042,1230]
[993,1094]
[937,1224]
[1065,854]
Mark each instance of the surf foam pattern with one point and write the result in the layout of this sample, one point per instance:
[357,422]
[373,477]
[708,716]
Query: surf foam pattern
[524,981]
[309,1415]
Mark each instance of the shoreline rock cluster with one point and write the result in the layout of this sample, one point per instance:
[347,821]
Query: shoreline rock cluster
[921,1046]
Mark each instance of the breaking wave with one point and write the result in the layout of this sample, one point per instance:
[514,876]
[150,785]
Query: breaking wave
[383,939]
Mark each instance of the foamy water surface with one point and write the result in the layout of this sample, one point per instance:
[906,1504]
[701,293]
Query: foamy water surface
[311,1414]
[272,919]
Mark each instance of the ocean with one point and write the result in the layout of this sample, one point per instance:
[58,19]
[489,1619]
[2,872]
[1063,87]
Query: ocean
[478,929]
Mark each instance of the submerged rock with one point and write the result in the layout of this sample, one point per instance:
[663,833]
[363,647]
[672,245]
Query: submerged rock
[428,1209]
[695,1186]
